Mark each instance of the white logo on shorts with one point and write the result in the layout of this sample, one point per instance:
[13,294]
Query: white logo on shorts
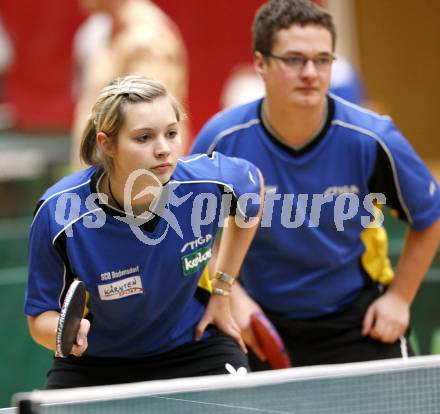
[240,371]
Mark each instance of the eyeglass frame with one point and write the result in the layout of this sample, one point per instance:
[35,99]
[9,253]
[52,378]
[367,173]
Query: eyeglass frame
[304,60]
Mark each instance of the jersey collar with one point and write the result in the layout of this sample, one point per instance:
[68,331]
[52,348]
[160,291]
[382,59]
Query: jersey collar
[148,226]
[296,152]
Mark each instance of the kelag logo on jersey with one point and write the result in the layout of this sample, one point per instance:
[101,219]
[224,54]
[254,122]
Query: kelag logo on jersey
[195,260]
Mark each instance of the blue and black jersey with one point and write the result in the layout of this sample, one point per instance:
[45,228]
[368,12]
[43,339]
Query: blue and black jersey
[147,282]
[316,248]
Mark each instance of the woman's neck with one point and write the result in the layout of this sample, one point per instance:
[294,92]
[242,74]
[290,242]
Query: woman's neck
[116,188]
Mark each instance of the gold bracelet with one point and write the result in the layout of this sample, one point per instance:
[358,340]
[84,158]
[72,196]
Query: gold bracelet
[224,277]
[220,292]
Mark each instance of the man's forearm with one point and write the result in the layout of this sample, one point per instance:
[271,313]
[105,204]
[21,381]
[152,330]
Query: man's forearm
[418,252]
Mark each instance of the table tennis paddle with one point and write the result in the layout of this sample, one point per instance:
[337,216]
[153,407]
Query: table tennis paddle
[270,341]
[71,314]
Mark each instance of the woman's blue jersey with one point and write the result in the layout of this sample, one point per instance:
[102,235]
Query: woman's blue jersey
[147,281]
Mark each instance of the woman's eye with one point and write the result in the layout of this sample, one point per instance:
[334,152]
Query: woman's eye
[143,138]
[172,134]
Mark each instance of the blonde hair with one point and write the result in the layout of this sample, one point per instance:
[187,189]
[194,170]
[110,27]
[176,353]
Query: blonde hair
[108,112]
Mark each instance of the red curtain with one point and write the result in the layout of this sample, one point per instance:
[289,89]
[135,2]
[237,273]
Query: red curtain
[39,84]
[218,37]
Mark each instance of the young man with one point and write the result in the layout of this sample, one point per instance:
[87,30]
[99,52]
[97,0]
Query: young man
[318,266]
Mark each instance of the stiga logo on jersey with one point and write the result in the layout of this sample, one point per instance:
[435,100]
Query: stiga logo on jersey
[194,261]
[342,189]
[121,288]
[196,243]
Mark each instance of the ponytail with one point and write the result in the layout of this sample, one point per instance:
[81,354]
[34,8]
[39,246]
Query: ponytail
[88,144]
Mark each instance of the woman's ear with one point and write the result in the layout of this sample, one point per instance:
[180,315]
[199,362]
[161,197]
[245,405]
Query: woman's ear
[105,143]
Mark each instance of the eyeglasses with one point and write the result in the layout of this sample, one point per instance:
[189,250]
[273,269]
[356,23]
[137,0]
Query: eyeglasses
[298,62]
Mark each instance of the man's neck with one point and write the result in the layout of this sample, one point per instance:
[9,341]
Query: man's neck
[295,126]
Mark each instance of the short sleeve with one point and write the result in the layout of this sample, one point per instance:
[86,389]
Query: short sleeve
[409,187]
[245,179]
[46,268]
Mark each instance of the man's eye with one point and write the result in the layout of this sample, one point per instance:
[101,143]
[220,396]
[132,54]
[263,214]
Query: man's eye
[323,61]
[295,61]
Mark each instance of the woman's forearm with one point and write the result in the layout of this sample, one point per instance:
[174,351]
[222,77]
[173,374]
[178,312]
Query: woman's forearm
[236,238]
[43,328]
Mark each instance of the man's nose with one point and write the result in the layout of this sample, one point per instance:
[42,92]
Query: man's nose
[309,69]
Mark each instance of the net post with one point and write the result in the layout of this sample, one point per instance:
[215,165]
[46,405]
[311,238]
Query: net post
[25,407]
[25,403]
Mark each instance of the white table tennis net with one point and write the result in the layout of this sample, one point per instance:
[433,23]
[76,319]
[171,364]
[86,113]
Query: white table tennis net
[408,386]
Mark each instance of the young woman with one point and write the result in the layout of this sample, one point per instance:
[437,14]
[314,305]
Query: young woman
[137,228]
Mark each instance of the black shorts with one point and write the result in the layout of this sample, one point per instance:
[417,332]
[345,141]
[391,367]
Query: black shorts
[334,338]
[207,357]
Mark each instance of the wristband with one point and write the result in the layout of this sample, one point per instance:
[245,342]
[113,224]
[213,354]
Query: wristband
[220,292]
[224,277]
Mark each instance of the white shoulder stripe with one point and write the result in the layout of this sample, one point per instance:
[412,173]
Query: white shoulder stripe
[192,159]
[389,155]
[211,157]
[73,222]
[230,130]
[54,195]
[200,181]
[358,108]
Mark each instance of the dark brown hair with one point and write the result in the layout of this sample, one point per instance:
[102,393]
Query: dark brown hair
[282,14]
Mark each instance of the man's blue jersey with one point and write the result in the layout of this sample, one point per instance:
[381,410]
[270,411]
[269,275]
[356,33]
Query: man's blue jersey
[147,283]
[315,249]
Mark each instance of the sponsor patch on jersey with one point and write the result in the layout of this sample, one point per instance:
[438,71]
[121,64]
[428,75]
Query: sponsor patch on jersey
[195,260]
[196,242]
[121,288]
